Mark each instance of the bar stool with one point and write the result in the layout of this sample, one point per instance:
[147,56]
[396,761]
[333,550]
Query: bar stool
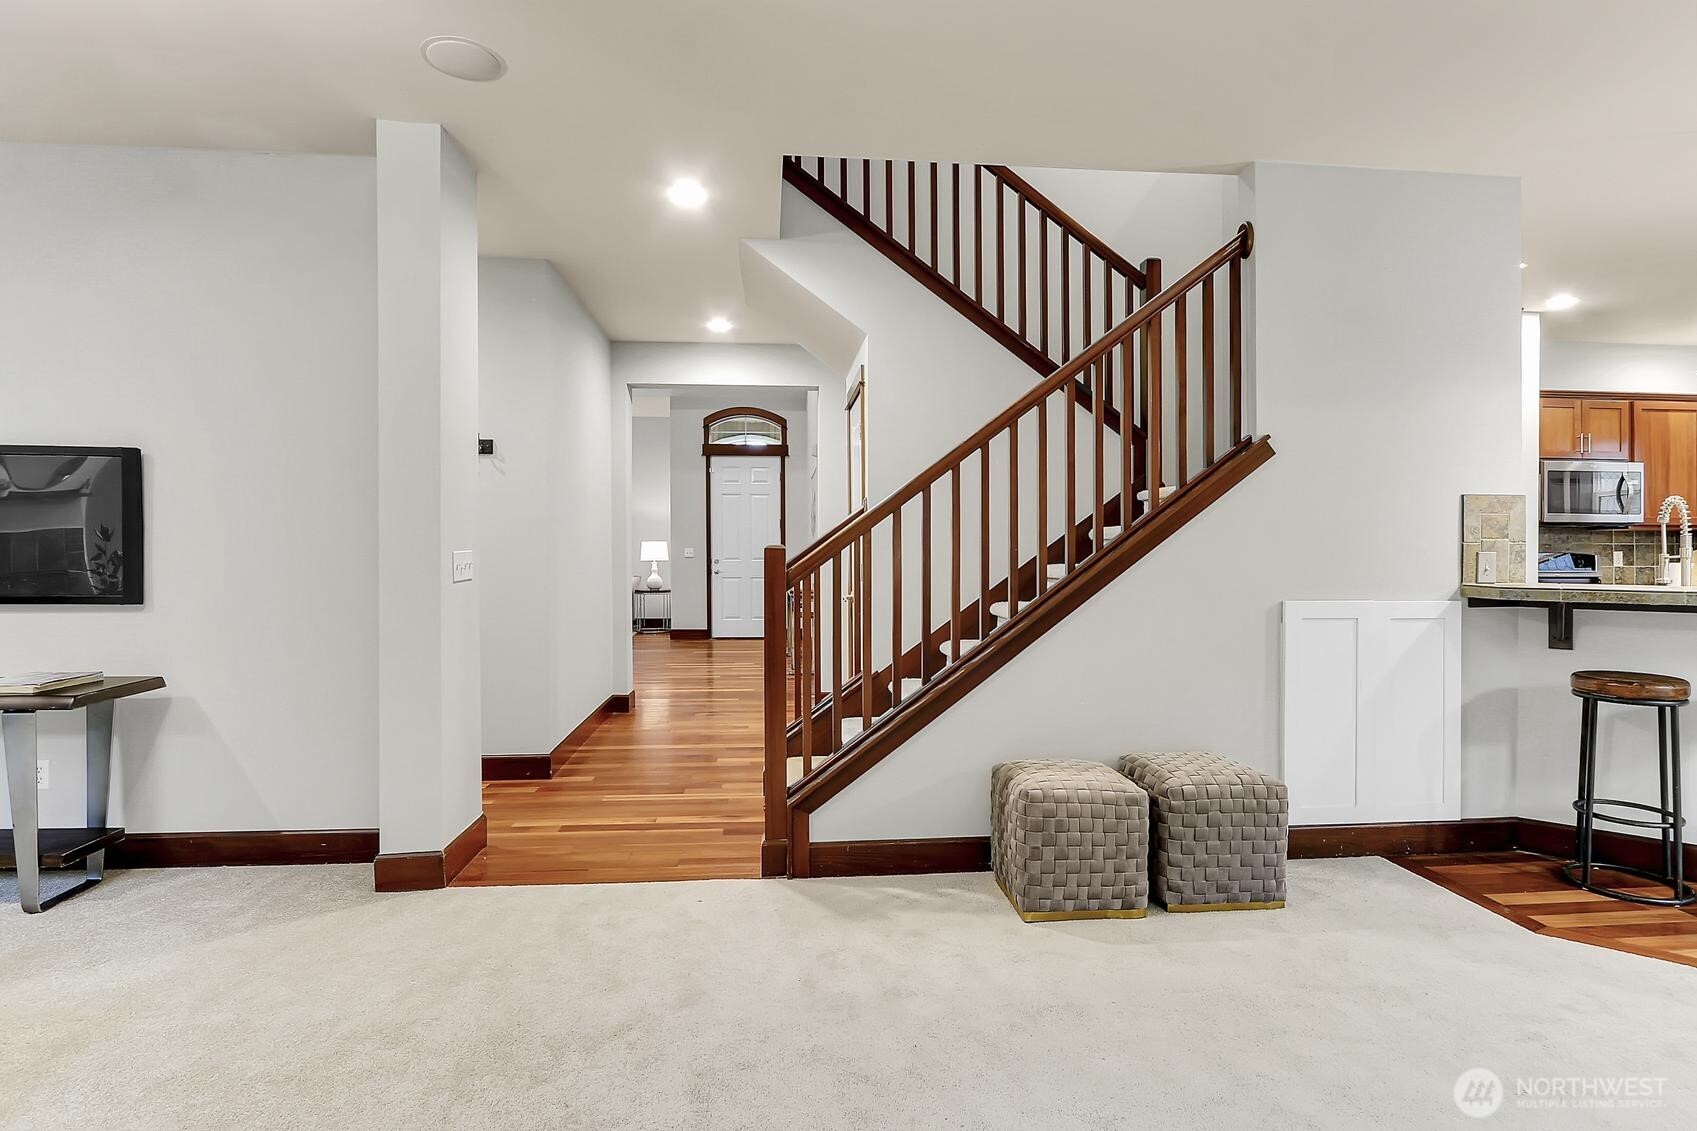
[1666,694]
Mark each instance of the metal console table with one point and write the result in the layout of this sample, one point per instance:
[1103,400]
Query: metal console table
[639,609]
[28,846]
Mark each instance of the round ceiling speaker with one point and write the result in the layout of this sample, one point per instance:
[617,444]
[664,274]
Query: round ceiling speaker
[463,58]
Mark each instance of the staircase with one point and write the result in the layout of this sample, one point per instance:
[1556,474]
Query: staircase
[901,610]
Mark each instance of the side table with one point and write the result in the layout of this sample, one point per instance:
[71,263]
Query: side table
[30,846]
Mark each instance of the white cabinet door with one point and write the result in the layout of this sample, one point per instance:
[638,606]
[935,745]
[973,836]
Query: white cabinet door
[746,495]
[1372,711]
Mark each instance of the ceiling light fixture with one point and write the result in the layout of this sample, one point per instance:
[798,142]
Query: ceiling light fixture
[463,58]
[1561,301]
[719,325]
[687,193]
[1523,266]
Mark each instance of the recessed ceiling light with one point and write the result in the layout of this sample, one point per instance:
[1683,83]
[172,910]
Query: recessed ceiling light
[719,325]
[463,58]
[687,193]
[1561,301]
[1523,266]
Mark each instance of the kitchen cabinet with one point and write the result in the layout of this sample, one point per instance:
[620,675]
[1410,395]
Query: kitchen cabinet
[1584,428]
[1664,440]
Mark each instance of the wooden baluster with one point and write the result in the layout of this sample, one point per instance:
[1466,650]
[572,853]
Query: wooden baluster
[842,175]
[1235,282]
[1043,494]
[866,187]
[1099,405]
[1043,285]
[1084,300]
[820,175]
[954,564]
[1157,422]
[1069,460]
[1066,296]
[984,619]
[1019,203]
[1211,421]
[1128,462]
[774,775]
[896,608]
[1181,369]
[925,665]
[912,205]
[836,652]
[865,601]
[804,673]
[954,213]
[1107,298]
[890,199]
[933,215]
[1013,516]
[977,234]
[1001,255]
[794,629]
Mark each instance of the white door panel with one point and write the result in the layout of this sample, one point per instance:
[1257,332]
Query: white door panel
[747,496]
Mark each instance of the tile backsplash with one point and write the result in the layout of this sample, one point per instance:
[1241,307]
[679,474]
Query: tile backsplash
[1494,523]
[1638,550]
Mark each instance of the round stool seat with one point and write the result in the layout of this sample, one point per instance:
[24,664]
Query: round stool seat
[1632,686]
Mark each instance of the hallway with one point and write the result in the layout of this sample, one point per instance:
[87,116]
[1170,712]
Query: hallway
[668,792]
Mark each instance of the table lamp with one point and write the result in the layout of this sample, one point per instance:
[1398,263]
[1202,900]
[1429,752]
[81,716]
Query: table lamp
[654,553]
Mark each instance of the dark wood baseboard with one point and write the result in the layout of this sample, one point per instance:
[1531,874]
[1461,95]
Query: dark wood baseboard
[1307,842]
[1551,838]
[691,634]
[1415,838]
[427,871]
[517,767]
[205,850]
[900,857]
[573,742]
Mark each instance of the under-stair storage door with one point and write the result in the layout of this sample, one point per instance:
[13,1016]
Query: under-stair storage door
[1372,711]
[746,494]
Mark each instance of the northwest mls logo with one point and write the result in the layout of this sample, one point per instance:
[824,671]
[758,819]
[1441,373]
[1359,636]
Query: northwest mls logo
[1478,1092]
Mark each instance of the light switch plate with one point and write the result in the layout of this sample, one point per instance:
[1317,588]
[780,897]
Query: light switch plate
[1620,558]
[689,551]
[41,775]
[1487,567]
[463,570]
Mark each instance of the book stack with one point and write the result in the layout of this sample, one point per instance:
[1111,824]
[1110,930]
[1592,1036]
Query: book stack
[46,683]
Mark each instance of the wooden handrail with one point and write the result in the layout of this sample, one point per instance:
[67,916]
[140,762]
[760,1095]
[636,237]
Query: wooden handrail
[846,533]
[1078,231]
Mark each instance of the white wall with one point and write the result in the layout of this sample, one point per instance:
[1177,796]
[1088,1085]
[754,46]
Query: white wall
[429,688]
[688,469]
[651,491]
[1610,367]
[545,500]
[1380,426]
[217,310]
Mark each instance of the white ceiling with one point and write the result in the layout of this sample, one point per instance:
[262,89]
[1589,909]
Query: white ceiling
[1592,102]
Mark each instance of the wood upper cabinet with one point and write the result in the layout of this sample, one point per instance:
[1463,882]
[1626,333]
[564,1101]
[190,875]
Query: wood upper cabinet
[1664,440]
[1584,428]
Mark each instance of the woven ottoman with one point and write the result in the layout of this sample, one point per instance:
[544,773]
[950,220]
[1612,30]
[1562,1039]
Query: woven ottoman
[1221,831]
[1069,840]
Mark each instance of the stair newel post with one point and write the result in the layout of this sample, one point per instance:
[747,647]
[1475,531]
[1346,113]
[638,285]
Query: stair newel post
[774,853]
[1043,494]
[836,653]
[896,607]
[954,563]
[1013,517]
[1209,414]
[1246,242]
[1150,359]
[1181,386]
[925,664]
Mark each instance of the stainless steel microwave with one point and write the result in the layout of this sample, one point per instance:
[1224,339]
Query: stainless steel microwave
[1592,492]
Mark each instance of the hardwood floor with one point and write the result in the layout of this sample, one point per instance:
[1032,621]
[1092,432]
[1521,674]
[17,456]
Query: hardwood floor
[1529,890]
[668,792]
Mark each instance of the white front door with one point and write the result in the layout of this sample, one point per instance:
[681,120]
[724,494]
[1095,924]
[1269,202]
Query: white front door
[747,496]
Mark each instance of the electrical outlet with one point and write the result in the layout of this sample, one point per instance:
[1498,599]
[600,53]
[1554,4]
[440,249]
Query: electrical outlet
[463,570]
[41,775]
[1487,567]
[689,551]
[1620,558]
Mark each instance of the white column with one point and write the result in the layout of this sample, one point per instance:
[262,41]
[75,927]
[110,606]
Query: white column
[429,692]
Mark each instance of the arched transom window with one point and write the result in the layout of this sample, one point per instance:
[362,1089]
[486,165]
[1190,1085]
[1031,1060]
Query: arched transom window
[749,429]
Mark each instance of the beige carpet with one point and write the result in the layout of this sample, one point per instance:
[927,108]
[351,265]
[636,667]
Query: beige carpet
[260,997]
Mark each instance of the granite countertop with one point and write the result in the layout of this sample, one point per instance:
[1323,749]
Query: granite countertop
[1627,596]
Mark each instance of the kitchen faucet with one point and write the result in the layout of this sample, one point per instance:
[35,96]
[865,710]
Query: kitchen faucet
[1666,570]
